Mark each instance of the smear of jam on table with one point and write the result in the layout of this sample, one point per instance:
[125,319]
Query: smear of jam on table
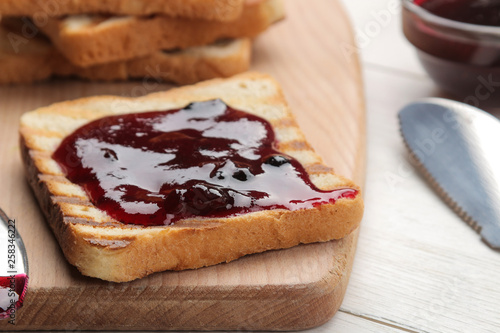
[206,159]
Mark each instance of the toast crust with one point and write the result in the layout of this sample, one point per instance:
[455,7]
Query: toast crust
[102,247]
[218,10]
[39,60]
[88,40]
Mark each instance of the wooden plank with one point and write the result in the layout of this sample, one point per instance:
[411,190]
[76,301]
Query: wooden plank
[292,289]
[346,323]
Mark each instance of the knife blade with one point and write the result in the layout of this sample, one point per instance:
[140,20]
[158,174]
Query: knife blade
[13,269]
[456,148]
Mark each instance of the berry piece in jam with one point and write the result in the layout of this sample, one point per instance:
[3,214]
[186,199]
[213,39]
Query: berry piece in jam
[205,160]
[277,160]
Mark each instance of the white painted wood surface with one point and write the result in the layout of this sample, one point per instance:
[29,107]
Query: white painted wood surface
[418,267]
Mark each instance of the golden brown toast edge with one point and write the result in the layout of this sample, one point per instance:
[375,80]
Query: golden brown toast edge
[116,252]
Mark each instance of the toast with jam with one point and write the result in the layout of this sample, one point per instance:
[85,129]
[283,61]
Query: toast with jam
[218,10]
[182,179]
[38,59]
[88,40]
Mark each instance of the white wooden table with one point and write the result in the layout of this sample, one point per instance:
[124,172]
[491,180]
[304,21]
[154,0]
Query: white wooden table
[418,267]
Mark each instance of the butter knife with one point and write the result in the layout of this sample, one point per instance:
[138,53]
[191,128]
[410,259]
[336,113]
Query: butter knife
[456,146]
[13,269]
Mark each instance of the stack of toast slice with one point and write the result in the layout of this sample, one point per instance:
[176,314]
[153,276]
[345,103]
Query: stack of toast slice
[179,41]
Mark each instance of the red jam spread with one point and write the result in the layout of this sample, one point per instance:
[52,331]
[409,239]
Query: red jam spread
[12,291]
[481,12]
[206,159]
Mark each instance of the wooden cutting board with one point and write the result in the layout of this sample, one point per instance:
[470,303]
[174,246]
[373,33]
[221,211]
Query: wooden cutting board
[289,289]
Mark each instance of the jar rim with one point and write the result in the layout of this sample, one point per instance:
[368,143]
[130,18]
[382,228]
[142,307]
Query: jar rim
[448,23]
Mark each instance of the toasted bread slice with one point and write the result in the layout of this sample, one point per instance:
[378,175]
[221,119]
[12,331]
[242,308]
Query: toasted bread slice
[29,60]
[218,10]
[90,40]
[102,247]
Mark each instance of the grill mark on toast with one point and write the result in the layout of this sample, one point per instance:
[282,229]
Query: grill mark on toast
[284,122]
[89,222]
[318,168]
[71,201]
[109,243]
[54,179]
[295,145]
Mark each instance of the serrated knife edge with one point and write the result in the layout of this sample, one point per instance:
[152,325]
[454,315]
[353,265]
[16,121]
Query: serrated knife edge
[447,198]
